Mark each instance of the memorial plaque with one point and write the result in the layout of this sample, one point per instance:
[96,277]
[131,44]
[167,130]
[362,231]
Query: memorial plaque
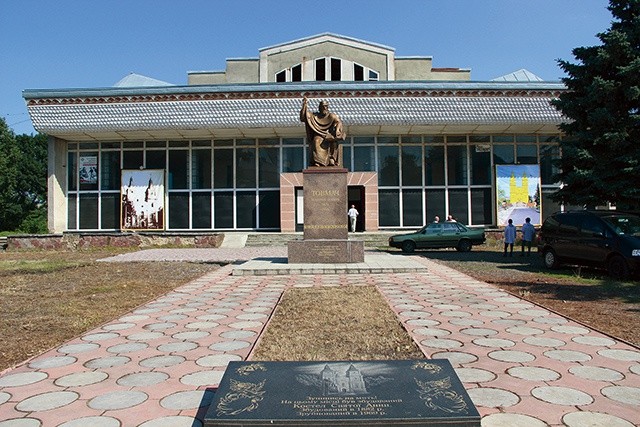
[349,393]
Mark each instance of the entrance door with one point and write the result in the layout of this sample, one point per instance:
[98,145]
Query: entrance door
[355,195]
[299,208]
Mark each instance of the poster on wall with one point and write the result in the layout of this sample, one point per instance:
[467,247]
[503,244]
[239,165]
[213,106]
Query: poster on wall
[518,194]
[88,169]
[142,199]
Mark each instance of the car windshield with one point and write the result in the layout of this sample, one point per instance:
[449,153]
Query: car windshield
[624,224]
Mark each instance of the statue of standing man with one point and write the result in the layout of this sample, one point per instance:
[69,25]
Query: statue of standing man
[324,132]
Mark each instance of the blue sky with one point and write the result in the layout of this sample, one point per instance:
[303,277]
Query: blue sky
[58,44]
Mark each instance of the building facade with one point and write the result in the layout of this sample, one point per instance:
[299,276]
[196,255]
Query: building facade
[226,151]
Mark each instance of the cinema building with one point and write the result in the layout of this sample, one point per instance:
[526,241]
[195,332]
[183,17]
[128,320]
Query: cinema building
[227,150]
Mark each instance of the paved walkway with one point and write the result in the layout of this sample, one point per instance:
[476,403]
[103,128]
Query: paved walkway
[159,365]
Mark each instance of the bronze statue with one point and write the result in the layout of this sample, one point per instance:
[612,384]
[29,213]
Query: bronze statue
[324,131]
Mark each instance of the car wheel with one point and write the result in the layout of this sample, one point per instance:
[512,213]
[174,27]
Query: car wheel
[464,245]
[618,267]
[550,258]
[408,246]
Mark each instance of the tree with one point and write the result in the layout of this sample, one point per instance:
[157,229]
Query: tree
[23,181]
[600,159]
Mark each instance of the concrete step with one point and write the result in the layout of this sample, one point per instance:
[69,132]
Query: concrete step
[371,240]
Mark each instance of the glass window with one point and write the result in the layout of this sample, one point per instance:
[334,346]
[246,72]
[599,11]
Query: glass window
[456,139]
[132,159]
[411,165]
[457,164]
[434,165]
[223,168]
[292,159]
[388,165]
[90,145]
[503,155]
[320,70]
[88,170]
[364,158]
[527,154]
[88,211]
[223,209]
[156,159]
[269,209]
[481,205]
[223,142]
[480,164]
[179,144]
[179,210]
[363,140]
[110,211]
[296,73]
[503,138]
[110,170]
[71,211]
[336,69]
[156,144]
[108,145]
[373,76]
[269,167]
[201,169]
[292,141]
[202,143]
[246,141]
[201,206]
[178,167]
[389,210]
[281,77]
[246,209]
[412,208]
[346,156]
[387,140]
[246,168]
[459,205]
[549,154]
[435,204]
[358,73]
[72,167]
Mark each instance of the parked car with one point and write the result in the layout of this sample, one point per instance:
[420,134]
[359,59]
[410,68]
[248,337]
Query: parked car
[608,239]
[439,235]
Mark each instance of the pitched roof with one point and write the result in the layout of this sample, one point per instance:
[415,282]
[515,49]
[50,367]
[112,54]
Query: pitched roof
[521,75]
[138,80]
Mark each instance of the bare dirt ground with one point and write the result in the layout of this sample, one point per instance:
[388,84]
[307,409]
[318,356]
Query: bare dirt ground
[48,297]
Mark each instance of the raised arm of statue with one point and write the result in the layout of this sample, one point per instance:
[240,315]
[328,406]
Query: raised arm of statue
[324,131]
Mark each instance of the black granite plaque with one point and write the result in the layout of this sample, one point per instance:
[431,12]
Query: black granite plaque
[362,393]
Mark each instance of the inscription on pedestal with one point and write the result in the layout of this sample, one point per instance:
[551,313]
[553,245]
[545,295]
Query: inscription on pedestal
[363,393]
[325,203]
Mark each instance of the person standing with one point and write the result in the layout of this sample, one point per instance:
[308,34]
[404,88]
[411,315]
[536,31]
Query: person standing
[509,237]
[353,217]
[528,234]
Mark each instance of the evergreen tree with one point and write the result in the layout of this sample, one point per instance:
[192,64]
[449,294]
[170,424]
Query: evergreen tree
[600,159]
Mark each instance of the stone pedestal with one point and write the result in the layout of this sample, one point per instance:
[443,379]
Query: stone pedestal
[325,237]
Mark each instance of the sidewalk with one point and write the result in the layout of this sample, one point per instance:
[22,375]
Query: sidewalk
[160,364]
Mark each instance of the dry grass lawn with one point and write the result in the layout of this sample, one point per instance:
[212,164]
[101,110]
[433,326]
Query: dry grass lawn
[335,323]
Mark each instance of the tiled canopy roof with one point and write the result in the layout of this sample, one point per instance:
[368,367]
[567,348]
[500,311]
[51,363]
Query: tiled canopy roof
[269,106]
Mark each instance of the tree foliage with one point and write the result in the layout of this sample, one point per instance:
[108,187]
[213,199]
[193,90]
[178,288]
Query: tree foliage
[23,181]
[601,151]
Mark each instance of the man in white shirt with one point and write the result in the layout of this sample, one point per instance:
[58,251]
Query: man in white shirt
[353,217]
[528,234]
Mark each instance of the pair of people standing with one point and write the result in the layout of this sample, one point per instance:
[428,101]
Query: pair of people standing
[528,234]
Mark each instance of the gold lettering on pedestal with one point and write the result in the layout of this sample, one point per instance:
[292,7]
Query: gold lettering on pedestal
[353,406]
